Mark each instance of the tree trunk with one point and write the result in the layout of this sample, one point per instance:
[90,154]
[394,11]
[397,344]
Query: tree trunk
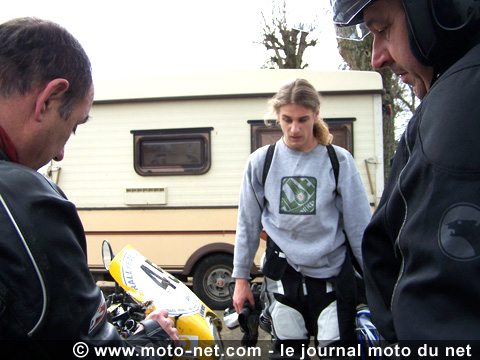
[358,56]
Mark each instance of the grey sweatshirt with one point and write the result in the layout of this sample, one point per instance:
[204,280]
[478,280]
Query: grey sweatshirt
[300,210]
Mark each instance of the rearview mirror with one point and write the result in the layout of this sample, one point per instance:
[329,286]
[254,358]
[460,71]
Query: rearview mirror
[107,254]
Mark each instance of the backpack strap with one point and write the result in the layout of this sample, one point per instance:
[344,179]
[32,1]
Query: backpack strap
[268,162]
[334,160]
[336,169]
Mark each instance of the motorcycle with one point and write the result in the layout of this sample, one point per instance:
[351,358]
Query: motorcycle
[146,287]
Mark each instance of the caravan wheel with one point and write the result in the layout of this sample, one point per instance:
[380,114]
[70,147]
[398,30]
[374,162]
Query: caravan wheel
[211,278]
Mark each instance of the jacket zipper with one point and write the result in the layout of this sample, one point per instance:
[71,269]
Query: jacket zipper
[34,264]
[397,240]
[304,286]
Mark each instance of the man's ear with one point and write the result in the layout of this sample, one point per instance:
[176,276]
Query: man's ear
[52,93]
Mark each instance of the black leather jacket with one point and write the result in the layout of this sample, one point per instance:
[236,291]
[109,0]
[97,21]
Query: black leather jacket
[48,298]
[421,250]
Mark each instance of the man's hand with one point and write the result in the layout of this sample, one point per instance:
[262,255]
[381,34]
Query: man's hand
[161,316]
[241,294]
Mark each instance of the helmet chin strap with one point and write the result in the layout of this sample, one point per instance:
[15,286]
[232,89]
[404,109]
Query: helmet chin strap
[415,49]
[422,59]
[421,31]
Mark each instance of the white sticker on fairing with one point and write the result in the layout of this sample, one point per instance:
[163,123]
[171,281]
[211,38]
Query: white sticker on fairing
[157,285]
[99,314]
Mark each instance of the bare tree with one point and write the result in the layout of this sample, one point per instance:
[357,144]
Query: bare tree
[405,104]
[288,43]
[398,97]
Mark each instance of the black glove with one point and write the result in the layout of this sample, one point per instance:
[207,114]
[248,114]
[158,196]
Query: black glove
[249,318]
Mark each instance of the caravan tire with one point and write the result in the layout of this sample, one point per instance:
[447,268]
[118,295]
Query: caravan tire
[210,281]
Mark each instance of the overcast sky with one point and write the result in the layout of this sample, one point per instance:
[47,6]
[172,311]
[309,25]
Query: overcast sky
[142,38]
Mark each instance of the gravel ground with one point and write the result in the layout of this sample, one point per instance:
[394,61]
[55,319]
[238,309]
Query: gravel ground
[232,341]
[237,334]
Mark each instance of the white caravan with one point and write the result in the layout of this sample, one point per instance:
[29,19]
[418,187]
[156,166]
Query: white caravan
[160,163]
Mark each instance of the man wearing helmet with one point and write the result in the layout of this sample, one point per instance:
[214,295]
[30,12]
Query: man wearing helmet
[421,249]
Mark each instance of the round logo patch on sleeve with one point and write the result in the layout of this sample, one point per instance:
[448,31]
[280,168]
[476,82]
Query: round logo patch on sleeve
[459,232]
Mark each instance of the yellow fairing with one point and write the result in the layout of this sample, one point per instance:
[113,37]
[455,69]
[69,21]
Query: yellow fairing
[197,325]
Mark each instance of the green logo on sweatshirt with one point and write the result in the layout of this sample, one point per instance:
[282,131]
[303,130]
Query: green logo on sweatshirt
[298,195]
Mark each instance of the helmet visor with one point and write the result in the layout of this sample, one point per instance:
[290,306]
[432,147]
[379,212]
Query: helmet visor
[356,33]
[348,12]
[454,14]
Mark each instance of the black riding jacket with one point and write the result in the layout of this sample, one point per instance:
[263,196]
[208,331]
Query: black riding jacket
[421,250]
[48,298]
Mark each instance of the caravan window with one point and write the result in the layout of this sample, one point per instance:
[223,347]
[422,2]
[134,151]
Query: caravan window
[172,151]
[341,129]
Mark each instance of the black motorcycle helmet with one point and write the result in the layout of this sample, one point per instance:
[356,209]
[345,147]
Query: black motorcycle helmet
[441,31]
